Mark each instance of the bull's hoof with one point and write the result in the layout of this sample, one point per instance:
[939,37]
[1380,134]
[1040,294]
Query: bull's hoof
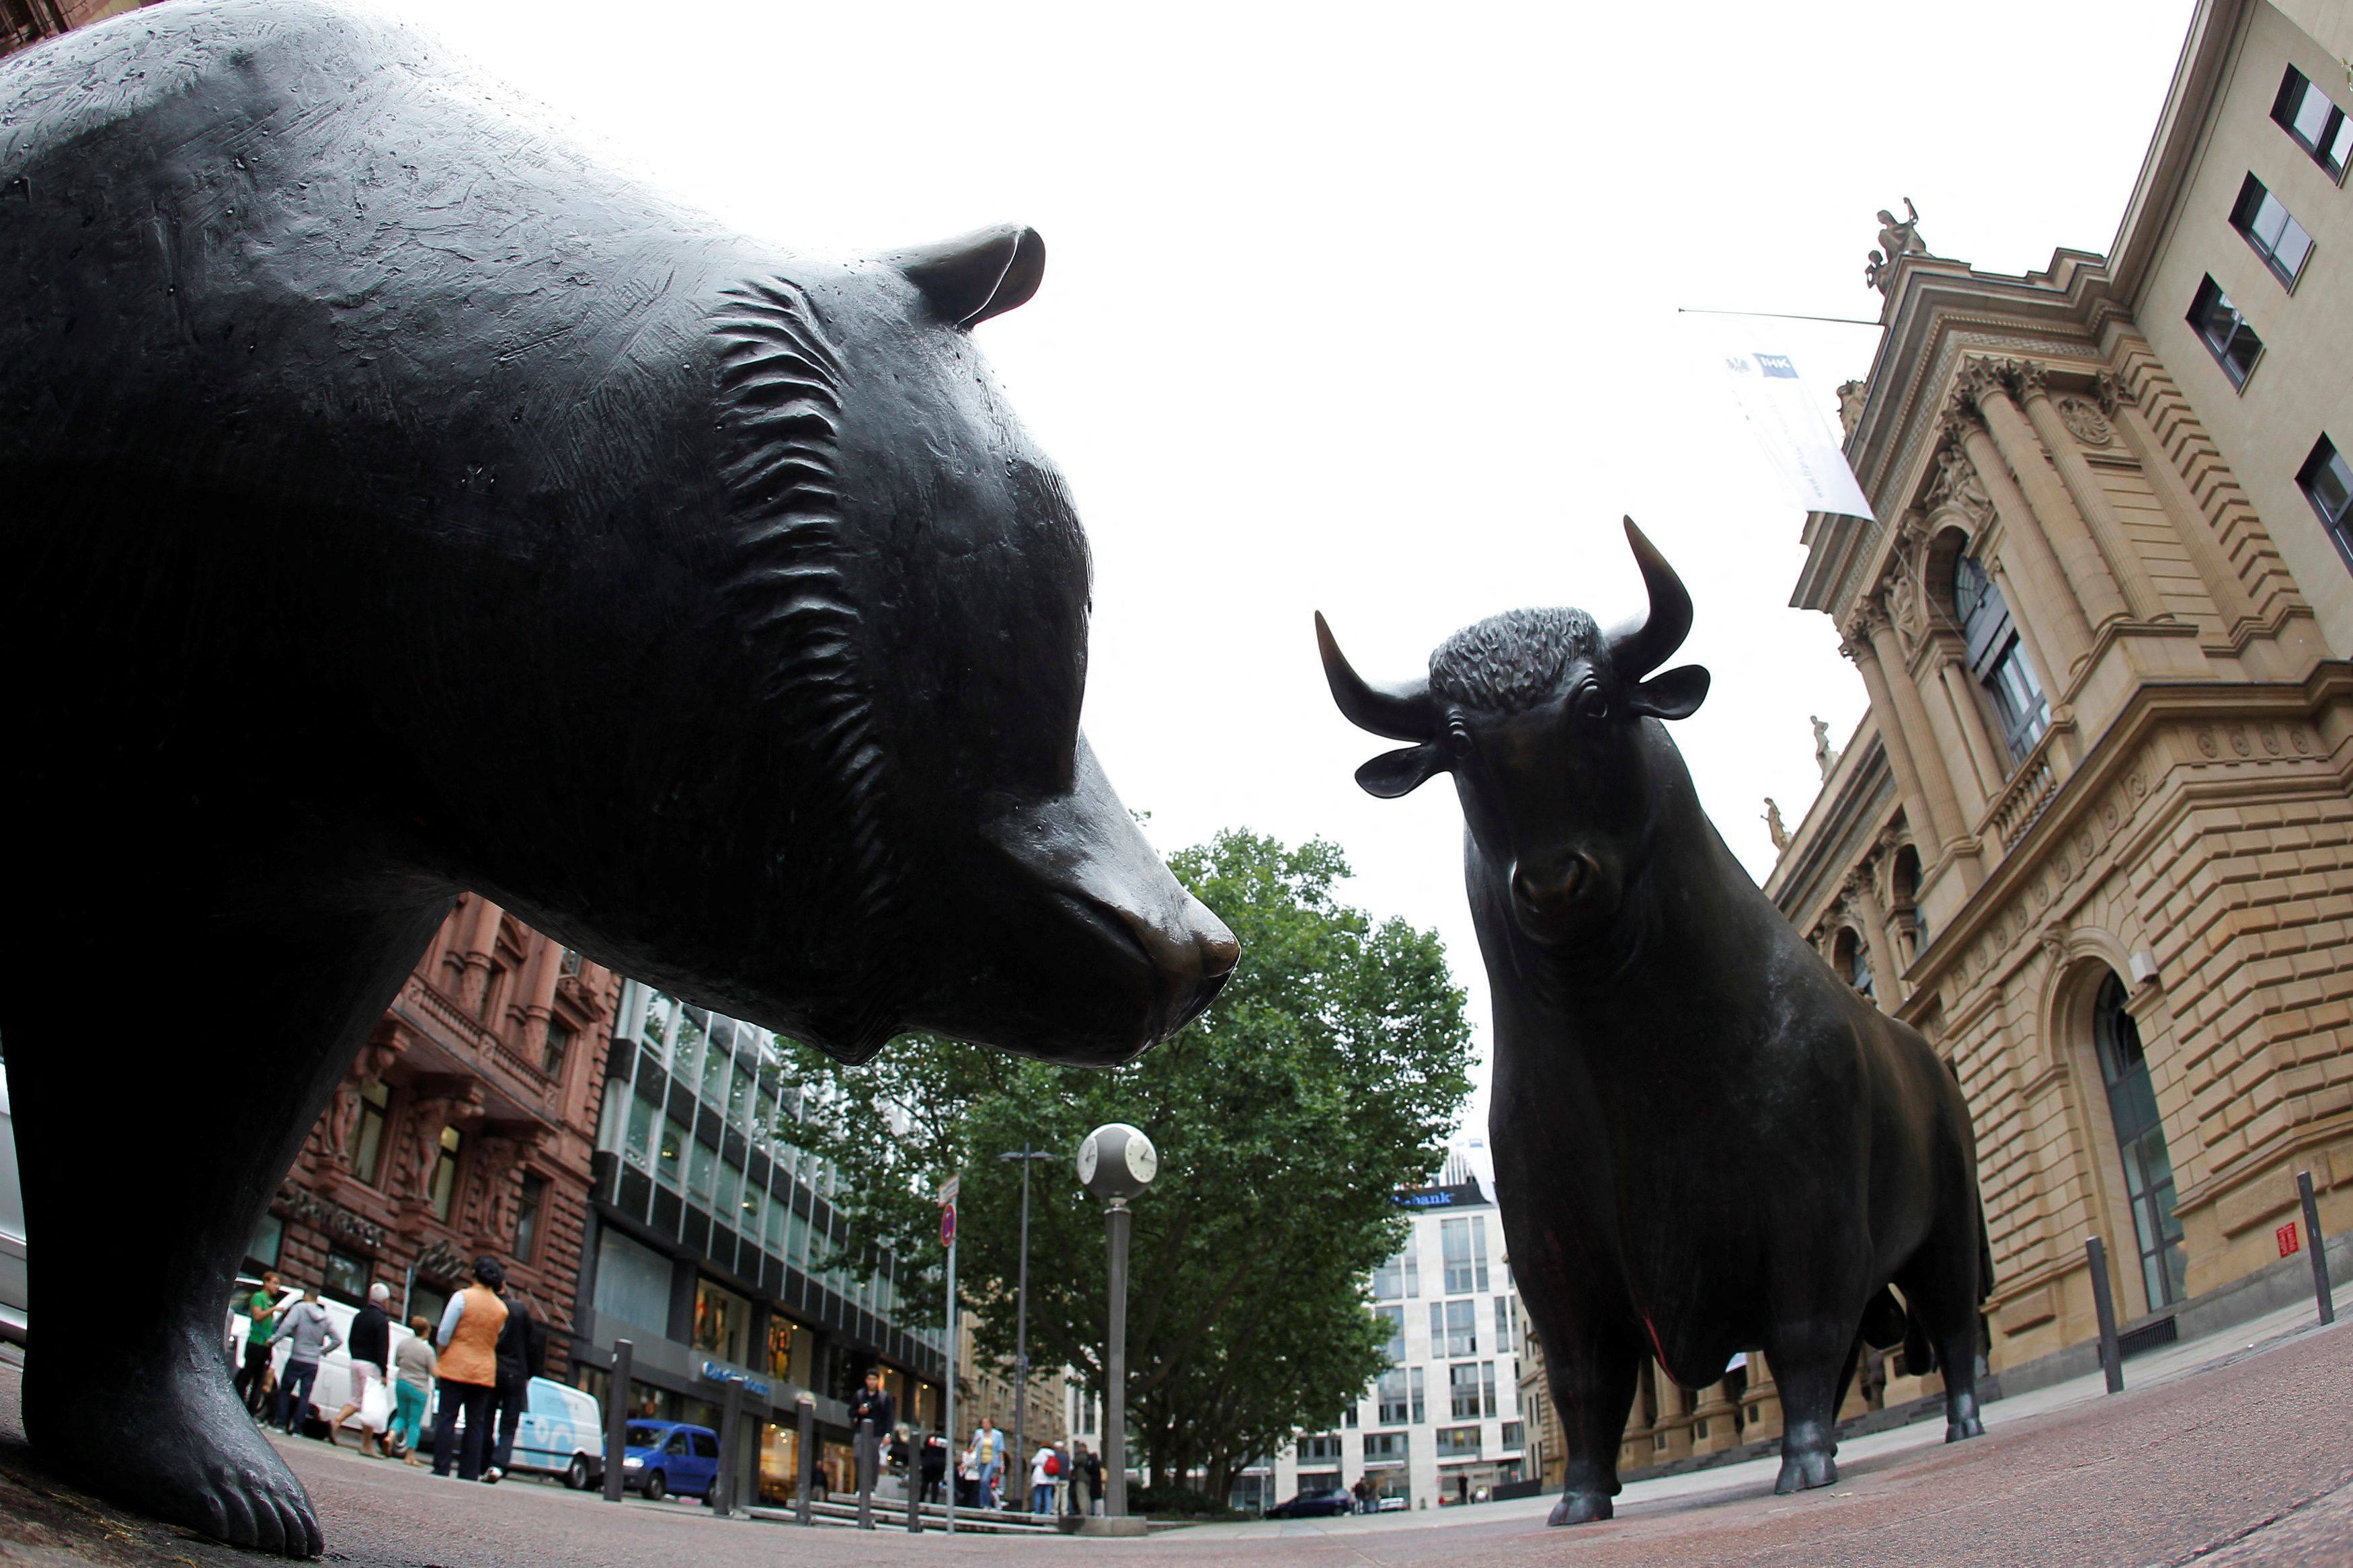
[1956,1430]
[175,1444]
[1804,1472]
[1581,1508]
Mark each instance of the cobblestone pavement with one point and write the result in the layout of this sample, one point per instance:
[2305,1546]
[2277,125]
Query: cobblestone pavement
[2247,1462]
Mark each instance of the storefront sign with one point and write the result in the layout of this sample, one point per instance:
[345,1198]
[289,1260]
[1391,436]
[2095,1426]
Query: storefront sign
[720,1372]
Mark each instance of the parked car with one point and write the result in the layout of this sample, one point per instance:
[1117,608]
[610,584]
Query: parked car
[562,1434]
[1313,1505]
[1390,1505]
[13,1296]
[664,1456]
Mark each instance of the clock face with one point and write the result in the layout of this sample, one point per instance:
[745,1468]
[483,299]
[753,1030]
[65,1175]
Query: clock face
[1088,1153]
[1142,1159]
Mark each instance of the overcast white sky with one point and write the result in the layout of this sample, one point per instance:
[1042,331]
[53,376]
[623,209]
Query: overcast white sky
[1371,309]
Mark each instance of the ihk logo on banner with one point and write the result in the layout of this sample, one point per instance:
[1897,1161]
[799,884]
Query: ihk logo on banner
[1777,365]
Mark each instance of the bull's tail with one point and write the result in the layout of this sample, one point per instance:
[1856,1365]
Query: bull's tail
[1985,1258]
[1919,1352]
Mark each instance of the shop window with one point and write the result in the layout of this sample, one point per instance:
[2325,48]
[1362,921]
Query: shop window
[791,1348]
[2326,482]
[345,1276]
[367,1139]
[633,1283]
[1997,658]
[442,1189]
[2225,332]
[2264,221]
[722,1320]
[2314,123]
[527,1217]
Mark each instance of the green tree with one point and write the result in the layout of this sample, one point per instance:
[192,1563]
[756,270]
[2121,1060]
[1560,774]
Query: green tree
[1325,1075]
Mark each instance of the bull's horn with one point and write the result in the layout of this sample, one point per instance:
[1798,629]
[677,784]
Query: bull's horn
[1638,647]
[976,276]
[1402,714]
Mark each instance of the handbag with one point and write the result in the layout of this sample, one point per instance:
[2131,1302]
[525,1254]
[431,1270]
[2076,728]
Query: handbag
[376,1407]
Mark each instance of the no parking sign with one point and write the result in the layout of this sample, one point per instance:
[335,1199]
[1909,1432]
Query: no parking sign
[947,1225]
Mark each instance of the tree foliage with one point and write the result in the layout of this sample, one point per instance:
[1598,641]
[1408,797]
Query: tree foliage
[1325,1075]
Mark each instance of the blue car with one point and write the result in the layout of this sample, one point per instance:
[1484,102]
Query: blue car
[666,1457]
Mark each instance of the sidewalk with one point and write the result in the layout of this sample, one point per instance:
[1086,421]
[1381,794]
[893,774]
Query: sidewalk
[1753,1478]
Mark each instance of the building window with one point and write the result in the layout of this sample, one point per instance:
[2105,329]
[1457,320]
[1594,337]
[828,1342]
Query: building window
[1998,658]
[2225,332]
[1388,1447]
[1457,1442]
[1419,1414]
[1462,1389]
[443,1188]
[791,1348]
[2266,224]
[556,1050]
[639,1139]
[1487,1388]
[1854,959]
[2140,1144]
[2314,122]
[1515,1434]
[367,1142]
[2326,482]
[494,987]
[527,1212]
[1507,1322]
[269,1241]
[702,1171]
[1315,1450]
[1389,1395]
[346,1276]
[1398,1277]
[571,964]
[670,1154]
[1393,1318]
[1464,1243]
[721,1320]
[1453,1327]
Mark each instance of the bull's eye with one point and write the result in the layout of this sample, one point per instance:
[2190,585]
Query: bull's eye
[1586,701]
[1457,739]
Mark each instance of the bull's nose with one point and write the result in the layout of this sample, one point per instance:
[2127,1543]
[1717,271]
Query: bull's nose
[1553,889]
[1219,951]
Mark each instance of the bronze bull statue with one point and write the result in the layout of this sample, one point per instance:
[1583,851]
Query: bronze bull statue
[1704,1141]
[393,500]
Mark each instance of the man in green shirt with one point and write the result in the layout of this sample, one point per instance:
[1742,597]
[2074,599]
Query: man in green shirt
[260,1321]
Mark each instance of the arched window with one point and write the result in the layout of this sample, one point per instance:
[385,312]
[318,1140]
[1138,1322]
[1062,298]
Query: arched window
[1997,658]
[1854,959]
[2140,1143]
[1911,920]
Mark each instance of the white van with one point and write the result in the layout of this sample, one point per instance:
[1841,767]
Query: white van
[13,1297]
[334,1382]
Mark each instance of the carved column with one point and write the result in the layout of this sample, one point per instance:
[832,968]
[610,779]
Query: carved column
[2233,605]
[2014,437]
[2065,432]
[2043,601]
[539,1001]
[1912,719]
[481,944]
[1886,964]
[1987,755]
[1857,646]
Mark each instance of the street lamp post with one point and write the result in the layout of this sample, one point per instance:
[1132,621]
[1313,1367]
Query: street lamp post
[1116,1162]
[1020,1462]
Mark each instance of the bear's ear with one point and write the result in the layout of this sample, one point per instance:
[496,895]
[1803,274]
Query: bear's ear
[976,276]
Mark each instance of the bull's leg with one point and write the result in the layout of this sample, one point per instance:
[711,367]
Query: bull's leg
[1593,1382]
[1940,1286]
[1812,1361]
[168,1049]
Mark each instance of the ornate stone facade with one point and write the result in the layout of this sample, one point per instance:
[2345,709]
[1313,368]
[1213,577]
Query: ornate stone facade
[467,1125]
[2094,838]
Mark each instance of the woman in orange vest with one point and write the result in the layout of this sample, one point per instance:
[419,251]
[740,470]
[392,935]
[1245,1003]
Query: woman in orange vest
[467,1373]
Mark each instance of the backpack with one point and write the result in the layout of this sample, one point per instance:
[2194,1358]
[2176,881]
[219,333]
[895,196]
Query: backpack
[1053,1464]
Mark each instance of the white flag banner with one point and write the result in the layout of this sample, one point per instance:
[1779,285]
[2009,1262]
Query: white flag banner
[1795,436]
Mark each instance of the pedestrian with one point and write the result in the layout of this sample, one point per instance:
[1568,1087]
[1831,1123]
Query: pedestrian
[1363,1492]
[873,1403]
[1044,1465]
[310,1333]
[467,1372]
[412,1388]
[1091,1467]
[260,1319]
[935,1466]
[371,1350]
[987,1456]
[1081,1484]
[522,1351]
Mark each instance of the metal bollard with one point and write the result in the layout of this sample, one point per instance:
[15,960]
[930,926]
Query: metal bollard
[731,1450]
[865,1452]
[914,1484]
[617,1417]
[805,1494]
[2112,1361]
[2321,1290]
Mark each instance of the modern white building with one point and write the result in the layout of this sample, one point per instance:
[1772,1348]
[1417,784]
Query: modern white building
[1442,1426]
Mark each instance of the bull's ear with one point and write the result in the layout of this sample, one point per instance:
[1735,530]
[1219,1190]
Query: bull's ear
[1393,774]
[976,276]
[1677,694]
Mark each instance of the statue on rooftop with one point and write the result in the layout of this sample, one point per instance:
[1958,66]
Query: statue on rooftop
[1898,238]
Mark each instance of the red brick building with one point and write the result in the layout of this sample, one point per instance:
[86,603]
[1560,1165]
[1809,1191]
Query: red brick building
[27,22]
[466,1126]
